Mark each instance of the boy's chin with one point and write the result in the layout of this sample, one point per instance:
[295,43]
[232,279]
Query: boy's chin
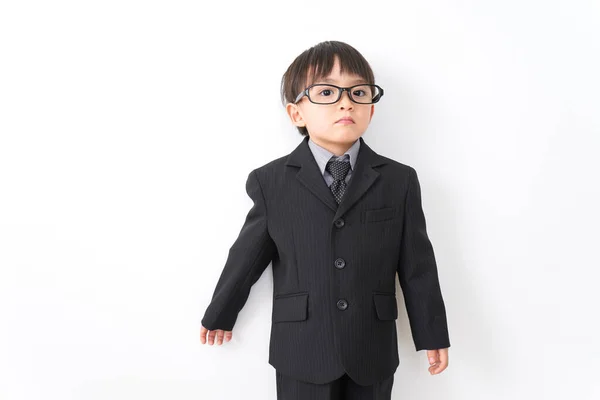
[346,135]
[339,135]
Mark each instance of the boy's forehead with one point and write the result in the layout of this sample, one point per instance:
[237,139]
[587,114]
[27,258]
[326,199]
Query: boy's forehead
[334,77]
[344,78]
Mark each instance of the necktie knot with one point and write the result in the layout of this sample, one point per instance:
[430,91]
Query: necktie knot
[338,168]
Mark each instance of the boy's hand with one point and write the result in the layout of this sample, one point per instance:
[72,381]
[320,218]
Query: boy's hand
[211,336]
[438,359]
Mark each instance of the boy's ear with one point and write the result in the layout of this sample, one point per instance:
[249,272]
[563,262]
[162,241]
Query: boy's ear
[372,111]
[293,112]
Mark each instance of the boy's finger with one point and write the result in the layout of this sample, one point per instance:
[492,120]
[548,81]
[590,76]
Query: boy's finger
[228,335]
[220,336]
[444,357]
[433,356]
[203,331]
[211,337]
[436,369]
[441,363]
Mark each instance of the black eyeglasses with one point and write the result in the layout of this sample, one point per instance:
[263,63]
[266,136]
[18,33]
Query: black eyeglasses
[320,93]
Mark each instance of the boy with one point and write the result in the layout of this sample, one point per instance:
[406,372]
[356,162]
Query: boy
[338,221]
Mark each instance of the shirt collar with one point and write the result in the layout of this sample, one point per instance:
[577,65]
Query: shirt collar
[322,155]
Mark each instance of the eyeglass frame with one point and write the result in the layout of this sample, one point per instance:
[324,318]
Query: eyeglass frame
[341,91]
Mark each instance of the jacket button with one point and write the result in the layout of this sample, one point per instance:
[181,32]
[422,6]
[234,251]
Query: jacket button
[342,304]
[340,263]
[339,223]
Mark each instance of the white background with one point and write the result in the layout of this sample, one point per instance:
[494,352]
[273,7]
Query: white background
[128,129]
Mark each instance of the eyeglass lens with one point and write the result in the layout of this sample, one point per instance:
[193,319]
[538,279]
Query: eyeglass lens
[325,94]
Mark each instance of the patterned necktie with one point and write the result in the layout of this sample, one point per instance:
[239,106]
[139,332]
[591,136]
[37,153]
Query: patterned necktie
[338,169]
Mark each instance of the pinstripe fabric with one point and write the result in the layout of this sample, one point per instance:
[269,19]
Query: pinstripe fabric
[334,267]
[342,388]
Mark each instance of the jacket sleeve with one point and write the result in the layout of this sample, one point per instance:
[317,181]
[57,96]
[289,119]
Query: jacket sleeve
[248,257]
[418,276]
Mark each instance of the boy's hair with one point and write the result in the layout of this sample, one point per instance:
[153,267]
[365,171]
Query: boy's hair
[318,61]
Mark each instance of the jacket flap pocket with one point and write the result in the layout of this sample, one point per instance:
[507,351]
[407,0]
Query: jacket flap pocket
[386,306]
[380,214]
[290,307]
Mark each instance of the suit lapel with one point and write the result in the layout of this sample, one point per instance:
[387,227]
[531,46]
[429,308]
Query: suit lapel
[363,175]
[310,175]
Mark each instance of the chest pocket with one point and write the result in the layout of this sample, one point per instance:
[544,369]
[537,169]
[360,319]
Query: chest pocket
[380,214]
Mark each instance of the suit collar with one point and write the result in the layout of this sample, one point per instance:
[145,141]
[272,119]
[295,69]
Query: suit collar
[363,175]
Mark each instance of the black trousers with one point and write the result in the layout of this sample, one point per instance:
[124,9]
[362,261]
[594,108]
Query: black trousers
[342,388]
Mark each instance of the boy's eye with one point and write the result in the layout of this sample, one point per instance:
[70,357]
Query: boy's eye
[356,93]
[324,92]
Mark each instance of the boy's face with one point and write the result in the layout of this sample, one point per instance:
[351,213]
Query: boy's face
[321,120]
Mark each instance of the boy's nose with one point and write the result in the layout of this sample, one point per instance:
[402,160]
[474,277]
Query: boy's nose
[345,100]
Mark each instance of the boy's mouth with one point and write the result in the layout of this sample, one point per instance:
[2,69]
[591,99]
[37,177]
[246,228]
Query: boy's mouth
[345,120]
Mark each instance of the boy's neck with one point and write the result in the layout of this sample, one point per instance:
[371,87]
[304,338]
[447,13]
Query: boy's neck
[336,148]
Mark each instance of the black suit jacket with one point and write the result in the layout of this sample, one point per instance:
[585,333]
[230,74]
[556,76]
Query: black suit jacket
[334,267]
